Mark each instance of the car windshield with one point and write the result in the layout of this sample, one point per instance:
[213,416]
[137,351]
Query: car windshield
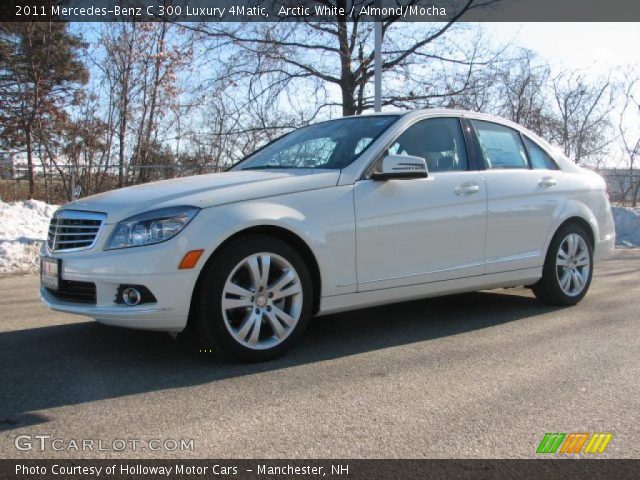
[333,144]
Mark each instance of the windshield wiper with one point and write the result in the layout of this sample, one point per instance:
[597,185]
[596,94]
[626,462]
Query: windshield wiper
[265,167]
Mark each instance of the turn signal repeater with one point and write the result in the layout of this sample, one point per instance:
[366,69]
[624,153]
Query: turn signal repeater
[190,259]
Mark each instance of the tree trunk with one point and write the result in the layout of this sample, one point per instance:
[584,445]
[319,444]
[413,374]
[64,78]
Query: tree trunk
[347,80]
[45,175]
[348,103]
[154,99]
[123,129]
[32,183]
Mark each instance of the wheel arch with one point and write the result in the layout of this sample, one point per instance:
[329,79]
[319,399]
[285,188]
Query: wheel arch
[280,233]
[582,223]
[575,220]
[577,212]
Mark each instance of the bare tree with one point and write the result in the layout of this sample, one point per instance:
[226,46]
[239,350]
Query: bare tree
[338,55]
[522,92]
[630,138]
[120,42]
[585,109]
[138,66]
[168,52]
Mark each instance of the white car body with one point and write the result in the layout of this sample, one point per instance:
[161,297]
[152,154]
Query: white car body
[370,242]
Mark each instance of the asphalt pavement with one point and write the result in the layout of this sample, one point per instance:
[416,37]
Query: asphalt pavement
[481,375]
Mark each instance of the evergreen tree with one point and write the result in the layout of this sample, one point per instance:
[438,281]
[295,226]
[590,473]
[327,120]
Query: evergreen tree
[40,70]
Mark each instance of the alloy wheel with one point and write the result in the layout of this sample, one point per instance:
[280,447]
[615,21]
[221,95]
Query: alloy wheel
[573,263]
[262,300]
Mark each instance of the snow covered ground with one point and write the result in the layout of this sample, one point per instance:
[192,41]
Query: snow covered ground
[627,225]
[23,228]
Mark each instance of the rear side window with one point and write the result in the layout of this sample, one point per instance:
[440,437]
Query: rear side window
[438,140]
[501,146]
[540,160]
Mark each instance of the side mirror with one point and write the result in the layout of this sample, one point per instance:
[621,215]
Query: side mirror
[401,167]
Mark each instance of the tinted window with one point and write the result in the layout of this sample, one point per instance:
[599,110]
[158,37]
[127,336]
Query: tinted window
[438,140]
[362,144]
[539,159]
[306,154]
[332,144]
[501,146]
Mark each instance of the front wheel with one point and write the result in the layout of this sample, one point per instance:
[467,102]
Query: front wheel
[255,299]
[568,268]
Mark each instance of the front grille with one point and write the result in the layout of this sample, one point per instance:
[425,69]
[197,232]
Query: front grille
[72,291]
[74,230]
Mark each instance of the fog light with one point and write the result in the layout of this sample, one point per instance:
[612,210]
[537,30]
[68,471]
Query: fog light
[131,296]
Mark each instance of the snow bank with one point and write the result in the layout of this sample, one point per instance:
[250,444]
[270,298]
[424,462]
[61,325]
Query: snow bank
[24,225]
[627,226]
[23,228]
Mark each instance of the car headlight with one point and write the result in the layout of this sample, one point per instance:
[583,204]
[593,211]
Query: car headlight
[151,227]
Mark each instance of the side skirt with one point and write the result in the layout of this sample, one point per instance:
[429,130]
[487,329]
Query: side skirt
[372,298]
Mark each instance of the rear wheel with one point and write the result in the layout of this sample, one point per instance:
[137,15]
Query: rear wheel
[568,268]
[254,299]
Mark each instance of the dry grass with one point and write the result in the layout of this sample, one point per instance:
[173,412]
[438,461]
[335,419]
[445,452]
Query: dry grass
[18,190]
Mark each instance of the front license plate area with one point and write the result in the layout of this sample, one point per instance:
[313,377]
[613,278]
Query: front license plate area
[50,273]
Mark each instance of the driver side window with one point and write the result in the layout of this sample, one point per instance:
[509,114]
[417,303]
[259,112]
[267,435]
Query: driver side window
[438,140]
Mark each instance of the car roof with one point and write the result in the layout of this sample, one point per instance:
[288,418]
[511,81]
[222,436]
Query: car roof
[450,112]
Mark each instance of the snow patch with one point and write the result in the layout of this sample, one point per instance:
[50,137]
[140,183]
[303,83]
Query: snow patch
[627,222]
[23,228]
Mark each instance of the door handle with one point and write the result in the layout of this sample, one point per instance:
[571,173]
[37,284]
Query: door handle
[547,182]
[467,189]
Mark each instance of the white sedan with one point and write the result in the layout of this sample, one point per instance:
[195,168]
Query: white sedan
[340,215]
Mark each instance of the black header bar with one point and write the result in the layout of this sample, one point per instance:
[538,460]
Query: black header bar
[321,10]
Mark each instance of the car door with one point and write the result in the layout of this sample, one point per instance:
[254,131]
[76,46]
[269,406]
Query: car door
[412,231]
[526,192]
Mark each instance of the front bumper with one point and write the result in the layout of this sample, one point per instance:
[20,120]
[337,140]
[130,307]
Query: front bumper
[169,314]
[154,266]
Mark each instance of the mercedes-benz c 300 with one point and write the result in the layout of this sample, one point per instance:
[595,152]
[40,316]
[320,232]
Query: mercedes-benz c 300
[339,215]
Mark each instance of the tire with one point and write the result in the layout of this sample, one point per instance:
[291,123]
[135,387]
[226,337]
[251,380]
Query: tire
[254,299]
[567,272]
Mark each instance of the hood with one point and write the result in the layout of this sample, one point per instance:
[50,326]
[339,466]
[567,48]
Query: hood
[204,191]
